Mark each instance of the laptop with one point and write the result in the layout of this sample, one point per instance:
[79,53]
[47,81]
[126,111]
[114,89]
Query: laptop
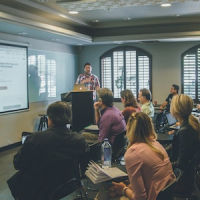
[79,88]
[172,122]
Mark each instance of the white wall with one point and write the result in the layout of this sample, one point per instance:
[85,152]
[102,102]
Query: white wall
[166,63]
[13,124]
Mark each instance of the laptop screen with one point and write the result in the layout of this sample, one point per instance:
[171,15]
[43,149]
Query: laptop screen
[171,120]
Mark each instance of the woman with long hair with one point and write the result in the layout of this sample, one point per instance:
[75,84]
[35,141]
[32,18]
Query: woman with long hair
[147,163]
[130,104]
[185,146]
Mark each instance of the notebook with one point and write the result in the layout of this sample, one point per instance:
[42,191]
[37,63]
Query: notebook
[97,174]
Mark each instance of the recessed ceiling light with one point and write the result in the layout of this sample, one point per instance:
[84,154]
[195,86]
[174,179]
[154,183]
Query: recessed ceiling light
[55,39]
[128,18]
[165,5]
[61,15]
[117,42]
[22,33]
[96,20]
[73,12]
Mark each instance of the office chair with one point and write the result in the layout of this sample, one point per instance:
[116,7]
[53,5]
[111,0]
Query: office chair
[160,122]
[70,185]
[119,146]
[167,192]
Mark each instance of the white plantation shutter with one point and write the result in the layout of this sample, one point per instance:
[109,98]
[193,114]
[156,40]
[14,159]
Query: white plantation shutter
[131,72]
[125,68]
[198,74]
[143,71]
[118,72]
[106,78]
[46,72]
[51,77]
[189,75]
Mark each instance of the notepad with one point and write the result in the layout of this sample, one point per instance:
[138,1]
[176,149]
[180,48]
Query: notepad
[97,174]
[92,127]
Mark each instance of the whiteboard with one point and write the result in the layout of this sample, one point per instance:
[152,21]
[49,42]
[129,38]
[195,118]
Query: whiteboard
[13,78]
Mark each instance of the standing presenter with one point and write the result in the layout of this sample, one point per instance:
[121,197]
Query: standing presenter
[88,79]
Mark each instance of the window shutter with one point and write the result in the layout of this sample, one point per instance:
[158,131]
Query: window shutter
[198,72]
[131,75]
[42,72]
[189,75]
[143,72]
[106,73]
[125,68]
[51,77]
[118,72]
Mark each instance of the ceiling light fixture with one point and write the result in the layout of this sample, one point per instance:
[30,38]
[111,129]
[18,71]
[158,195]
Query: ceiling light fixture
[22,33]
[73,12]
[61,15]
[96,20]
[165,5]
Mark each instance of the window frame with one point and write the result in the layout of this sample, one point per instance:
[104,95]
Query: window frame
[139,52]
[192,50]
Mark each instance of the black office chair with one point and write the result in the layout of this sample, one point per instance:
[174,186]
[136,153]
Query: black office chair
[119,146]
[167,192]
[69,186]
[160,122]
[66,188]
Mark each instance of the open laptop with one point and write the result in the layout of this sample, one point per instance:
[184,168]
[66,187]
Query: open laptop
[172,122]
[79,88]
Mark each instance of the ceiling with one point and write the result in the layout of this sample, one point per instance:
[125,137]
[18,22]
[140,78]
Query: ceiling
[102,21]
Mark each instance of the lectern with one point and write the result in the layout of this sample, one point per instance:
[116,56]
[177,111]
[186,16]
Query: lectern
[82,109]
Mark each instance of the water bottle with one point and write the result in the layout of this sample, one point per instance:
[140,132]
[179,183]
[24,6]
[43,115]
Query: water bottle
[106,154]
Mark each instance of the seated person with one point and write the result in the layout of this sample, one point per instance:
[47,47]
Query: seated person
[185,142]
[46,158]
[147,163]
[130,104]
[173,91]
[109,119]
[145,100]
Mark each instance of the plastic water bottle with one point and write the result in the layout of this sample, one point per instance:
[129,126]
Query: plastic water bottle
[106,154]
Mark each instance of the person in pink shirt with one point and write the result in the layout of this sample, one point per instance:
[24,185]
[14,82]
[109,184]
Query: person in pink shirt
[147,163]
[130,104]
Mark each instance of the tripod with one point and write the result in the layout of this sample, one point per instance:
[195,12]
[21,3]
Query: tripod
[43,122]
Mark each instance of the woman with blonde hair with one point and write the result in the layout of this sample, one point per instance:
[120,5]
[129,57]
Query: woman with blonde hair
[147,163]
[130,104]
[185,145]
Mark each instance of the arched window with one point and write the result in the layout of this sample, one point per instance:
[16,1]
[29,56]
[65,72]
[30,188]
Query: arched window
[126,68]
[190,73]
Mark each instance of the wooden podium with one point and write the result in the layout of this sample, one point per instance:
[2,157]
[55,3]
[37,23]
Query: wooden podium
[82,109]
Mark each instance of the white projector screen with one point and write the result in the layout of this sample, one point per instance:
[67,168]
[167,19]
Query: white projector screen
[13,78]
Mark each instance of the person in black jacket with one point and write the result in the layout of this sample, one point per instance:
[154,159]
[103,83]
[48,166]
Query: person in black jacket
[185,145]
[47,158]
[173,91]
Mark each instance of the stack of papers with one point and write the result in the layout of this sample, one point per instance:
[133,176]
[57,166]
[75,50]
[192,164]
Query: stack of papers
[92,128]
[97,174]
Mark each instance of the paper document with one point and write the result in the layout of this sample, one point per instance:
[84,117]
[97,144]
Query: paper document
[97,174]
[92,128]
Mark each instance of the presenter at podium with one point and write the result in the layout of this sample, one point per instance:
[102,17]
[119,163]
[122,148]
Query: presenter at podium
[89,80]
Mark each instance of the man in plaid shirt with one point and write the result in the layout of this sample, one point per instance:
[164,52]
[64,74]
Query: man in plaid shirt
[89,80]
